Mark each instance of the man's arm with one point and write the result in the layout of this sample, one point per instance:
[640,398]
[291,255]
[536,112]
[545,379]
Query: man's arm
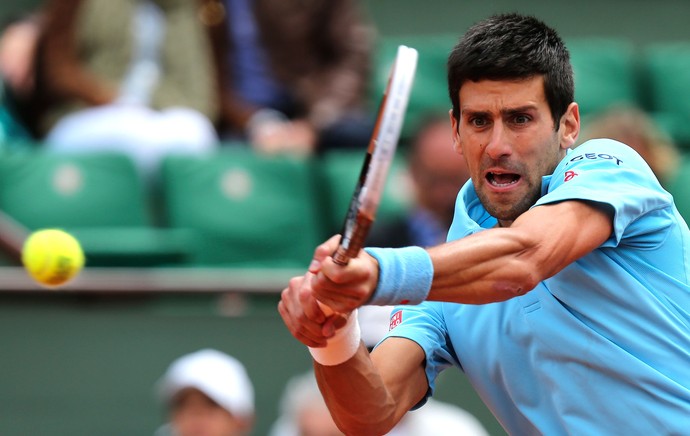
[370,394]
[367,393]
[489,266]
[498,264]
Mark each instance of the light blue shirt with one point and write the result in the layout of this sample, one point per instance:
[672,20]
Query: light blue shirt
[602,347]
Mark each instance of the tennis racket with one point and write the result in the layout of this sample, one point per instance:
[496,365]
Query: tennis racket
[384,140]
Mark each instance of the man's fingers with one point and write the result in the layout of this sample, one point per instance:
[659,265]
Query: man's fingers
[309,304]
[322,252]
[307,339]
[344,288]
[302,328]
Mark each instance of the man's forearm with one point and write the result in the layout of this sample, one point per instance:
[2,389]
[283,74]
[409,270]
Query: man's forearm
[356,395]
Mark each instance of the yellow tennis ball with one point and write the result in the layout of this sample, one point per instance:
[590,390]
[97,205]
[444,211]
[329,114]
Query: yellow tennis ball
[52,257]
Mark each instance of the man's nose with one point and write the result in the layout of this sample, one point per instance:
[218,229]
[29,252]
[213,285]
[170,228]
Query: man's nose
[499,144]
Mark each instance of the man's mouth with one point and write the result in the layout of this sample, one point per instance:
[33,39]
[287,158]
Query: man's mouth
[501,180]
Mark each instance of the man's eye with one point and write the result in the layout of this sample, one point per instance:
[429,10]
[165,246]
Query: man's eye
[521,119]
[478,122]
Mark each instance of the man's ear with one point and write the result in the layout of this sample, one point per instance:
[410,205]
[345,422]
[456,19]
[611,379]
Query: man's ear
[456,133]
[569,128]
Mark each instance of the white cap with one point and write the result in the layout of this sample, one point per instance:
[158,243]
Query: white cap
[219,376]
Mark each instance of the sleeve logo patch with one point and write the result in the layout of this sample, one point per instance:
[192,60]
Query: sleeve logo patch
[595,156]
[569,175]
[396,320]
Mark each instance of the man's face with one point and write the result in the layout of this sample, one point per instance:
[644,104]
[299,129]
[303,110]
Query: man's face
[506,133]
[195,414]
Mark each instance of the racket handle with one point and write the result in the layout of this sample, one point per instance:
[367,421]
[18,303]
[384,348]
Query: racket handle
[343,253]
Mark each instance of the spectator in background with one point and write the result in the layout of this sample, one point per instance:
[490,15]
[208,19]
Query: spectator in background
[303,411]
[297,74]
[18,43]
[635,128]
[135,76]
[437,172]
[207,393]
[17,52]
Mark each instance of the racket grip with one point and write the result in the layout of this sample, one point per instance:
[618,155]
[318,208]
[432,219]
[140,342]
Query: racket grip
[344,253]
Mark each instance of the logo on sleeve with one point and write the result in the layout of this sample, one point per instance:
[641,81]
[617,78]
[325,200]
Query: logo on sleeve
[595,156]
[396,320]
[569,175]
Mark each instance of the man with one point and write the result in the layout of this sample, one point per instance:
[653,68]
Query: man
[436,173]
[207,393]
[571,269]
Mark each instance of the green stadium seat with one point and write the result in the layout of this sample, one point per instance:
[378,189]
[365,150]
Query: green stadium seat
[250,210]
[680,188]
[12,132]
[97,197]
[667,73]
[340,171]
[606,73]
[430,89]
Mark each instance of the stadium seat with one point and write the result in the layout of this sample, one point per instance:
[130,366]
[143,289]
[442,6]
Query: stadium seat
[12,132]
[606,73]
[250,210]
[667,73]
[430,90]
[680,188]
[97,197]
[340,170]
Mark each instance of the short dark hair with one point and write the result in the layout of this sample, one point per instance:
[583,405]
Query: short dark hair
[513,47]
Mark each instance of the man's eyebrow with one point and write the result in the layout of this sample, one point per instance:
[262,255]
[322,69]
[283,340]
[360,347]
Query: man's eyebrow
[518,110]
[476,113]
[504,112]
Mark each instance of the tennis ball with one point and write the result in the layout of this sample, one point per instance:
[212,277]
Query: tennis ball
[52,257]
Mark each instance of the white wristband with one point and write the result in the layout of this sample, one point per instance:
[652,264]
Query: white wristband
[342,346]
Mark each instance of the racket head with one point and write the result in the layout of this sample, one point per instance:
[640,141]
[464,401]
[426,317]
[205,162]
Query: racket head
[366,197]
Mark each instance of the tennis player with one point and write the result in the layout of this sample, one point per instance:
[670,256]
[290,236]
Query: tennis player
[563,291]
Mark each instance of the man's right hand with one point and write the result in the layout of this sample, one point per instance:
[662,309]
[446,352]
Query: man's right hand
[342,288]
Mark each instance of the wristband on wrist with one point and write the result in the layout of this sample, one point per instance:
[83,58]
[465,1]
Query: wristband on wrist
[405,275]
[342,346]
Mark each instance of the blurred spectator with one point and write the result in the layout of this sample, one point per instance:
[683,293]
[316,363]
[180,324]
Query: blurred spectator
[17,52]
[303,411]
[298,74]
[133,76]
[635,128]
[17,77]
[207,393]
[436,172]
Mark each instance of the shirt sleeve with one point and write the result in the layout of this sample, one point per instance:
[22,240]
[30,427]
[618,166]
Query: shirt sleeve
[425,325]
[611,173]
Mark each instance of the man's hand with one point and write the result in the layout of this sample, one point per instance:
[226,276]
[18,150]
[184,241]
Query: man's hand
[341,288]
